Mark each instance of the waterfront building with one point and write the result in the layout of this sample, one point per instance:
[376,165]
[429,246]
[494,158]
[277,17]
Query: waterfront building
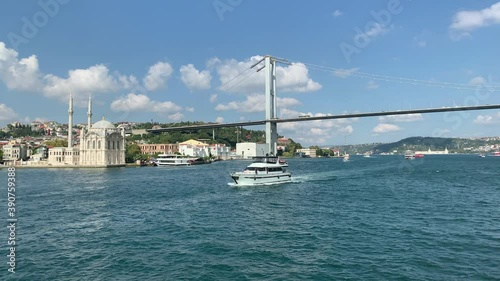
[248,150]
[159,148]
[100,144]
[194,148]
[311,152]
[281,143]
[15,152]
[220,151]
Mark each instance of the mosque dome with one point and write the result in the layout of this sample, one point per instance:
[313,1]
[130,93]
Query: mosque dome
[103,124]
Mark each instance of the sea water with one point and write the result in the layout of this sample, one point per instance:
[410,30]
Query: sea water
[377,218]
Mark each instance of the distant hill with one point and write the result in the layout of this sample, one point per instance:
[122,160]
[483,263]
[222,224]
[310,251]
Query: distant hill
[458,145]
[417,143]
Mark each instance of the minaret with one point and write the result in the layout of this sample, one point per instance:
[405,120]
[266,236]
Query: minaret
[70,122]
[89,114]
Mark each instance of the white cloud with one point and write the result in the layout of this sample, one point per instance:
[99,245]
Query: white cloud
[255,103]
[157,76]
[195,79]
[372,85]
[83,82]
[441,132]
[176,116]
[317,131]
[478,81]
[385,128]
[376,30]
[251,104]
[27,119]
[287,102]
[338,125]
[291,78]
[219,120]
[401,118]
[24,74]
[346,130]
[466,21]
[128,82]
[133,102]
[189,109]
[213,98]
[421,39]
[6,113]
[488,119]
[337,13]
[19,74]
[344,73]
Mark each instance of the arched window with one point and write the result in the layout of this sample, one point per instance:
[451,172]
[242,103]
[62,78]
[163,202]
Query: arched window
[88,144]
[109,145]
[113,144]
[98,144]
[93,144]
[117,145]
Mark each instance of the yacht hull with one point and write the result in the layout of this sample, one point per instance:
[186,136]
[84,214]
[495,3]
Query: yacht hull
[259,179]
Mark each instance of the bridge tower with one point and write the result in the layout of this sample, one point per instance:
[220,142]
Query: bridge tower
[271,126]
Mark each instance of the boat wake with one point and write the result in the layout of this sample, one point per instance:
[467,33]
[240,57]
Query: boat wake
[315,177]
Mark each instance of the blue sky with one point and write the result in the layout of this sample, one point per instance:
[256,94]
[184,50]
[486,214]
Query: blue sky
[167,61]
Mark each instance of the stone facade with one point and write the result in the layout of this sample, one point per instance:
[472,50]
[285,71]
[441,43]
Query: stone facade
[101,145]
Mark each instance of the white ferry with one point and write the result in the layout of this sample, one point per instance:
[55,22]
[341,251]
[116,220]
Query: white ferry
[264,170]
[173,160]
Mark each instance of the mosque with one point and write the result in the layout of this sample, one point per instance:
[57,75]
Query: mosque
[101,144]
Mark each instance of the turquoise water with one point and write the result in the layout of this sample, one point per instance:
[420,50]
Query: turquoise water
[379,218]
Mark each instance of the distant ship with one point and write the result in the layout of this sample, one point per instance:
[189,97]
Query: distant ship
[346,158]
[496,153]
[410,155]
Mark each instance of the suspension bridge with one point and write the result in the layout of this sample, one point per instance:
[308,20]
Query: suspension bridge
[271,120]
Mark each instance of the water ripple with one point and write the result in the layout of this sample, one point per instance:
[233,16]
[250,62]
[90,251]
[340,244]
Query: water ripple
[370,219]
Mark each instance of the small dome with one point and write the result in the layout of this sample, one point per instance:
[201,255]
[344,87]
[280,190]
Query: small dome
[103,124]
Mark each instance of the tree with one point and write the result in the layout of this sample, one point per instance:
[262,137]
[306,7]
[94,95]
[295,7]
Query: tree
[132,153]
[291,148]
[57,143]
[1,155]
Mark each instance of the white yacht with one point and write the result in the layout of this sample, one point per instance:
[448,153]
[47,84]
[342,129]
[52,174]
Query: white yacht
[173,160]
[264,170]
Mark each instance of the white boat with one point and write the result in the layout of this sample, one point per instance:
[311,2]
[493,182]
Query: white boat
[346,158]
[282,162]
[264,170]
[409,155]
[367,155]
[173,160]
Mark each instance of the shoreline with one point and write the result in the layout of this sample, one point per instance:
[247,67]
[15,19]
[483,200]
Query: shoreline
[65,166]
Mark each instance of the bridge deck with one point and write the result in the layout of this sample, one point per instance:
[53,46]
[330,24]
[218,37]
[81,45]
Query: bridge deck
[340,116]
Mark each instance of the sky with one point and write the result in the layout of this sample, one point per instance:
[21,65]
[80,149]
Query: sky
[187,60]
